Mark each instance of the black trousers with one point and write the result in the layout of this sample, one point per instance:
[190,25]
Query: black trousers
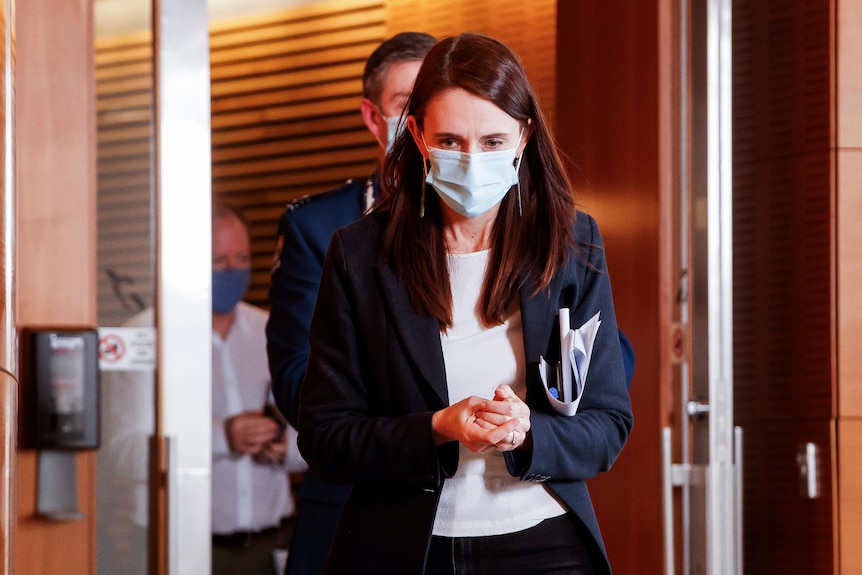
[249,554]
[554,546]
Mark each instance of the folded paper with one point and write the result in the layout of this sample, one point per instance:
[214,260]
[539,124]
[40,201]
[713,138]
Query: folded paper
[564,384]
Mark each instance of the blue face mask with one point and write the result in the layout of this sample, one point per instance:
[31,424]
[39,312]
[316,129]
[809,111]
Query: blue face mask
[471,184]
[228,288]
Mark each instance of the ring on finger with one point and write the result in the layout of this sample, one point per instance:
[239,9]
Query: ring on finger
[514,437]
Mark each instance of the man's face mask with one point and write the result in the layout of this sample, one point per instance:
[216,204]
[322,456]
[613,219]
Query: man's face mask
[394,128]
[228,288]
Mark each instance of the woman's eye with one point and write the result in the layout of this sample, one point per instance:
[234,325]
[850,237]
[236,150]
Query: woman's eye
[493,144]
[448,144]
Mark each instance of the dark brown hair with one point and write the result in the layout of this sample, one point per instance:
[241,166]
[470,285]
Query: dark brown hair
[527,248]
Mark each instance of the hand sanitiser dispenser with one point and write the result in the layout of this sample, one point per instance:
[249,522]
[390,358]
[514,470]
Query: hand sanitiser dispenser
[59,389]
[61,377]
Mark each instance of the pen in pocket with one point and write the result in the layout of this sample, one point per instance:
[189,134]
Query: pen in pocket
[554,389]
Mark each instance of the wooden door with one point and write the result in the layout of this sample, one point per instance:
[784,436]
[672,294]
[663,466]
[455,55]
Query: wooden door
[784,281]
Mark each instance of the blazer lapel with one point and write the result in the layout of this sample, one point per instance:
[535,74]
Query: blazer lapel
[419,333]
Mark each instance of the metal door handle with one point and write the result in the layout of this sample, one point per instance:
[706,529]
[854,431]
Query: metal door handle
[667,500]
[695,409]
[686,475]
[807,460]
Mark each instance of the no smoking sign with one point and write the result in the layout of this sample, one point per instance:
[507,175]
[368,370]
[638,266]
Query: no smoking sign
[127,348]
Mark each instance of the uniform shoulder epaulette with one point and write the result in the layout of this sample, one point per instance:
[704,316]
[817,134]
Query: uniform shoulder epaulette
[309,197]
[299,203]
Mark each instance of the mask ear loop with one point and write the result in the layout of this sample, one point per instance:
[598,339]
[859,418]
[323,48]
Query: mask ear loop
[422,198]
[425,162]
[517,172]
[520,211]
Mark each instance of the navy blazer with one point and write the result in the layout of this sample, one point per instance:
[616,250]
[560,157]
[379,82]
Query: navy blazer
[376,375]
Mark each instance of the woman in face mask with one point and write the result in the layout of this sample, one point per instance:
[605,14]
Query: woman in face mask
[447,379]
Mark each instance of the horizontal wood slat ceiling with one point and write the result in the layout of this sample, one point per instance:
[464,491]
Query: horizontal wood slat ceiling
[286,89]
[285,98]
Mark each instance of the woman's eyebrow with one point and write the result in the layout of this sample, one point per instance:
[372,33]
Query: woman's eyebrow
[498,135]
[452,135]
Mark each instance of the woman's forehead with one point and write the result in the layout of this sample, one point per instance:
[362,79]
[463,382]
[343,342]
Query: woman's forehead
[453,108]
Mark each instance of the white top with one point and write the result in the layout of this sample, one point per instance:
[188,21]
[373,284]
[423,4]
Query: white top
[482,498]
[246,496]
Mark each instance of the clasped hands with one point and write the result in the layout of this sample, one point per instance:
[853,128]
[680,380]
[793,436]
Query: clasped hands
[482,424]
[257,435]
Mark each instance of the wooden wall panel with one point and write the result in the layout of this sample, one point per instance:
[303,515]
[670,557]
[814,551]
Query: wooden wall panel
[607,122]
[784,277]
[849,269]
[848,74]
[56,240]
[848,214]
[848,514]
[849,293]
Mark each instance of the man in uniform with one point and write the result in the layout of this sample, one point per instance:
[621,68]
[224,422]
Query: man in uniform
[304,232]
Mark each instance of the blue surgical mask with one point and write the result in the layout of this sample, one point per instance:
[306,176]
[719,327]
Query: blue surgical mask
[228,288]
[472,184]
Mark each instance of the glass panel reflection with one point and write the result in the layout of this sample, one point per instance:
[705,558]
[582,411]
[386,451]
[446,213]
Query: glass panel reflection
[124,88]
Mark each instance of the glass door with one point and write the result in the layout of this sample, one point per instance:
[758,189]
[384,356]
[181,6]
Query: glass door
[126,286]
[154,259]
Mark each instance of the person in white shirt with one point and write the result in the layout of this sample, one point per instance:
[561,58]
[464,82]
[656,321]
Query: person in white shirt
[251,496]
[253,453]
